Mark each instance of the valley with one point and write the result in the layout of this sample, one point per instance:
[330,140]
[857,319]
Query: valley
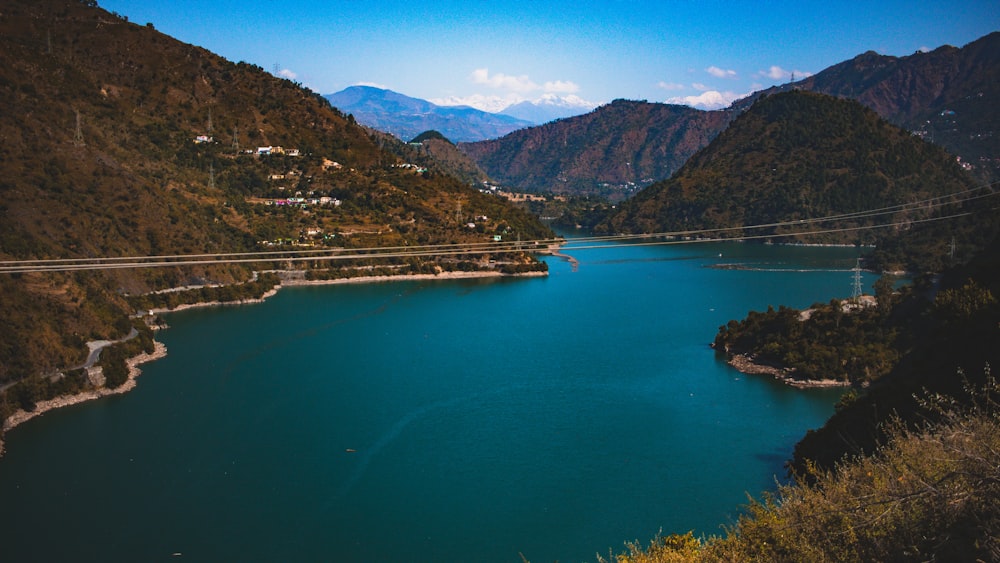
[558,277]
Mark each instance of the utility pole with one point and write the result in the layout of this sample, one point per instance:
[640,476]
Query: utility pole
[78,135]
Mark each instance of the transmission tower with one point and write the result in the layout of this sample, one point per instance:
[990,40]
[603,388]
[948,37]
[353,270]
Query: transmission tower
[856,294]
[236,139]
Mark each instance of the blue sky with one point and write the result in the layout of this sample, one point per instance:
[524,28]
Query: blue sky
[490,54]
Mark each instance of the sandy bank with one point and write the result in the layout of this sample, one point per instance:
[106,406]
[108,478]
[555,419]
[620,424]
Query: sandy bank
[556,250]
[745,364]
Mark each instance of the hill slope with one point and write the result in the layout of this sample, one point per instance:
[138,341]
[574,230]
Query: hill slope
[407,117]
[949,96]
[121,141]
[614,150]
[796,156]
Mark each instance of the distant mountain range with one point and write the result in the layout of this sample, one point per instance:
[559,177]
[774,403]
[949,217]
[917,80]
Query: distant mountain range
[798,155]
[949,96]
[406,117]
[548,108]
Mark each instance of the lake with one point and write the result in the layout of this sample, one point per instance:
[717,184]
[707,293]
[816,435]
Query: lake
[464,420]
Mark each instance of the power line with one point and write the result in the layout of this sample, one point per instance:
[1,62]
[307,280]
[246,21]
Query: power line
[405,252]
[455,249]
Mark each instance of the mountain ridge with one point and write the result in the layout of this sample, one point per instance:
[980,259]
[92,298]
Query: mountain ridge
[121,141]
[796,156]
[406,117]
[948,96]
[613,151]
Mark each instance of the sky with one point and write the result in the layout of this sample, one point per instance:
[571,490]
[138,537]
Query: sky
[489,54]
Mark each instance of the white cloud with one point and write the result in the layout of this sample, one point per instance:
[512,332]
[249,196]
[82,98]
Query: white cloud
[496,103]
[721,72]
[670,85]
[286,73]
[778,73]
[561,86]
[503,81]
[700,87]
[924,49]
[521,83]
[711,99]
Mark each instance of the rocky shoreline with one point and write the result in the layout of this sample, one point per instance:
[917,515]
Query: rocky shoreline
[296,282]
[42,407]
[745,364]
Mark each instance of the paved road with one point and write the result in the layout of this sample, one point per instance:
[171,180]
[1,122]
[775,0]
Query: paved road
[95,346]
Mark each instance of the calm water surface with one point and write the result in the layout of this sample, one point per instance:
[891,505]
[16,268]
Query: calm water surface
[432,421]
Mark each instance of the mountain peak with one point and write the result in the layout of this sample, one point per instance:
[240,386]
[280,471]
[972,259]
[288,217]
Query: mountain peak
[549,108]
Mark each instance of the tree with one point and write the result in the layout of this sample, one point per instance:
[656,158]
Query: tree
[884,294]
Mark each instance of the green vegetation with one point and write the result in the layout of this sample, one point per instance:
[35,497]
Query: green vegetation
[230,293]
[908,468]
[841,341]
[427,135]
[27,392]
[928,494]
[120,141]
[798,156]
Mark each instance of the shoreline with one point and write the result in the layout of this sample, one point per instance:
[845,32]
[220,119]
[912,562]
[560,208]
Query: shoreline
[411,277]
[292,282]
[160,349]
[42,407]
[745,364]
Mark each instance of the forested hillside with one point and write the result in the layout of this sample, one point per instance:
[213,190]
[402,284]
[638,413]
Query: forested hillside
[121,141]
[949,96]
[799,156]
[908,467]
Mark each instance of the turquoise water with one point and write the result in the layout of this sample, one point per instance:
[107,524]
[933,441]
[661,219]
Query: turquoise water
[432,421]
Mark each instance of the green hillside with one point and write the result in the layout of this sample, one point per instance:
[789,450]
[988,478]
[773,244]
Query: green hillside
[121,141]
[948,96]
[799,156]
